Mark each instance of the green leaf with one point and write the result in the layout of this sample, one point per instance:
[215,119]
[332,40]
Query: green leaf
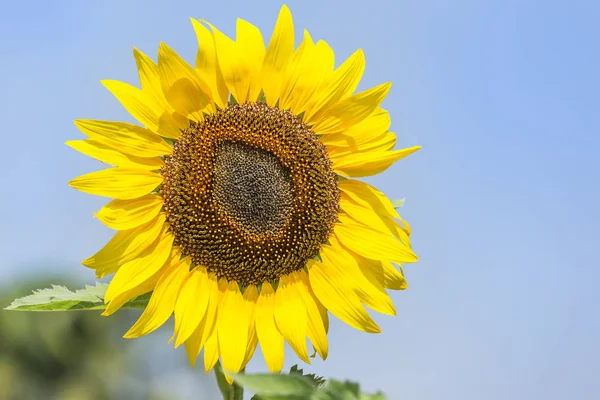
[316,380]
[267,386]
[341,390]
[336,390]
[398,203]
[59,298]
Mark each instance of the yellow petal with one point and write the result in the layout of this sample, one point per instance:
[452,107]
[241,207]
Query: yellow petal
[210,320]
[148,111]
[207,65]
[385,272]
[251,348]
[251,297]
[382,143]
[129,139]
[370,243]
[141,268]
[271,341]
[342,262]
[405,226]
[143,288]
[163,299]
[290,315]
[249,42]
[171,123]
[113,156]
[125,246]
[278,56]
[232,327]
[149,79]
[367,196]
[340,84]
[340,301]
[191,304]
[317,331]
[211,352]
[351,110]
[294,72]
[371,127]
[118,183]
[206,326]
[369,217]
[367,164]
[183,88]
[234,67]
[127,214]
[375,290]
[315,69]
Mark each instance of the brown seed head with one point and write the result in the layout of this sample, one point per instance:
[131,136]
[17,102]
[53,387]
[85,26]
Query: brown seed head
[250,193]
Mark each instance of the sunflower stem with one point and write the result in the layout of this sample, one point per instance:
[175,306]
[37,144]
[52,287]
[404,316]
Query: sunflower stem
[238,391]
[229,392]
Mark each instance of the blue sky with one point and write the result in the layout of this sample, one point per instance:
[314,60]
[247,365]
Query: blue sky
[503,197]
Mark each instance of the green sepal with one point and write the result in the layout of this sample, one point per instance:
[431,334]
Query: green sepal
[398,203]
[261,98]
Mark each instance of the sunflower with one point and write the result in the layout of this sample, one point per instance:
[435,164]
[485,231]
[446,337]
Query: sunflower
[235,203]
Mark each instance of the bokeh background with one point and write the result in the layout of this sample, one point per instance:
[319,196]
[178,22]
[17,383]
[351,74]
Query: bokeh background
[503,198]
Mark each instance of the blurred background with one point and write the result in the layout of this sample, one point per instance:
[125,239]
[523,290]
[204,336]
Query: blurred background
[503,197]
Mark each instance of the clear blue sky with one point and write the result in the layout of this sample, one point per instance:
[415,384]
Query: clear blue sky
[502,95]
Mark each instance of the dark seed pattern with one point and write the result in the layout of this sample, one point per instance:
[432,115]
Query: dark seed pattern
[252,187]
[250,193]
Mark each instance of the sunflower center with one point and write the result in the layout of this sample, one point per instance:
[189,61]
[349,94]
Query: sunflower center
[250,193]
[252,187]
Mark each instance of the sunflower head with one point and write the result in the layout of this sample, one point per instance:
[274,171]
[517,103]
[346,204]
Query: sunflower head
[235,201]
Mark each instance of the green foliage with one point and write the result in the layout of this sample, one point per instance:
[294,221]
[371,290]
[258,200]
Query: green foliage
[59,298]
[69,356]
[297,386]
[272,386]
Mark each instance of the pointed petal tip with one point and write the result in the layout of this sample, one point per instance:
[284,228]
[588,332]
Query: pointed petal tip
[162,46]
[88,261]
[178,342]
